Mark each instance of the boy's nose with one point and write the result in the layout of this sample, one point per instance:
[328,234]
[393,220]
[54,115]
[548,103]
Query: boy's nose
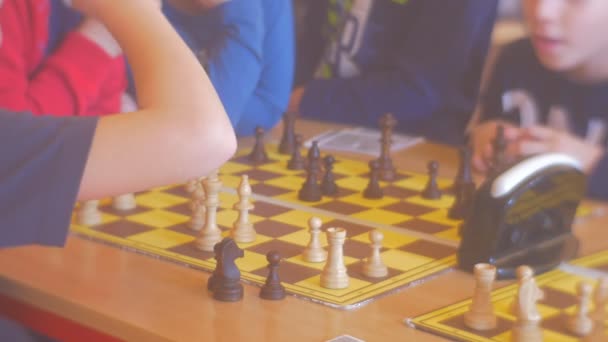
[547,10]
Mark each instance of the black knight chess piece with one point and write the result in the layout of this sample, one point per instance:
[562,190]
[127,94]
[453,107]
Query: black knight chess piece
[227,285]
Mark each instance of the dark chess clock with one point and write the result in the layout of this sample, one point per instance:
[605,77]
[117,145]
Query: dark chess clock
[524,215]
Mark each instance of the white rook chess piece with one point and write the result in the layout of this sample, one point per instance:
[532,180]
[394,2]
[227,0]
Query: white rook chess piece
[334,274]
[373,266]
[210,234]
[124,202]
[88,214]
[481,312]
[314,252]
[580,323]
[242,230]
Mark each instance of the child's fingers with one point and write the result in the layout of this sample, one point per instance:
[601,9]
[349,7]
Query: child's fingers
[529,147]
[539,132]
[478,163]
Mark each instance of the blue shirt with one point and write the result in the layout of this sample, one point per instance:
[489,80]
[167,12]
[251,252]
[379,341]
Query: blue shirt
[247,47]
[418,59]
[523,91]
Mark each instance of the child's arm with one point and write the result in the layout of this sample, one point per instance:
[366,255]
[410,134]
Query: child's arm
[181,131]
[68,81]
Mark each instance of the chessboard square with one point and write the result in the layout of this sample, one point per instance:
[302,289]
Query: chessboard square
[231,168]
[268,190]
[182,209]
[233,182]
[265,209]
[314,284]
[299,260]
[357,249]
[177,190]
[159,218]
[556,298]
[457,322]
[279,167]
[356,271]
[159,200]
[293,183]
[404,261]
[341,207]
[226,218]
[259,175]
[350,167]
[399,192]
[429,249]
[424,226]
[418,182]
[292,197]
[547,311]
[251,261]
[445,202]
[352,229]
[409,208]
[381,216]
[353,183]
[190,250]
[358,199]
[285,249]
[290,273]
[259,239]
[440,216]
[558,324]
[569,284]
[122,228]
[298,218]
[228,200]
[275,229]
[452,234]
[162,238]
[105,219]
[184,228]
[302,237]
[108,208]
[391,239]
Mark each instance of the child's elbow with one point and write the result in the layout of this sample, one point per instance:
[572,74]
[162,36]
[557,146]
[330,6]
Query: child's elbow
[217,142]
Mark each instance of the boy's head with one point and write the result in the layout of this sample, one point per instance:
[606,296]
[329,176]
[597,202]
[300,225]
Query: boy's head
[568,34]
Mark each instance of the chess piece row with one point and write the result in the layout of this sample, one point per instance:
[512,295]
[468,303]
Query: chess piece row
[481,316]
[88,213]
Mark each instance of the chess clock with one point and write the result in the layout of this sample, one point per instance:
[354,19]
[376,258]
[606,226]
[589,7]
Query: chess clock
[524,215]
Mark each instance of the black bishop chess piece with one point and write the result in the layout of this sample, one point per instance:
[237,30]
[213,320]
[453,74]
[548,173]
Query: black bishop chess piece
[387,169]
[311,191]
[288,140]
[463,187]
[431,191]
[297,161]
[272,289]
[328,184]
[258,153]
[373,190]
[225,283]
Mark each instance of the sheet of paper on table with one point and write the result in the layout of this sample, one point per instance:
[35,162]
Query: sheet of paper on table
[361,140]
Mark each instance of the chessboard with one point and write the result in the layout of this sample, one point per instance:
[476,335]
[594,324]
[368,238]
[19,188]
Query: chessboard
[419,239]
[560,299]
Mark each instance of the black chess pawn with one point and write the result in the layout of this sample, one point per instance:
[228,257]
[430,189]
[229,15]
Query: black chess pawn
[432,189]
[297,161]
[228,287]
[464,187]
[373,190]
[328,184]
[288,141]
[258,153]
[272,289]
[311,191]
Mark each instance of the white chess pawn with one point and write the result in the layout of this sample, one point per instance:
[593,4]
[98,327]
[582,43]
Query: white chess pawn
[580,323]
[334,274]
[242,230]
[124,202]
[88,214]
[314,252]
[374,267]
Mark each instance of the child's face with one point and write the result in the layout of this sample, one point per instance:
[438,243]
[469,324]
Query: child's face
[568,34]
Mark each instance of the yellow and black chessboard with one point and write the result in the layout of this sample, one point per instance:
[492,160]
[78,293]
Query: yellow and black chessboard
[559,303]
[419,238]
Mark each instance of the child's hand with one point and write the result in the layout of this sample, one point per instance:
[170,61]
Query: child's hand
[482,137]
[542,139]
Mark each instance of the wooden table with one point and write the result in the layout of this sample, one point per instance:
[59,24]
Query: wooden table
[139,298]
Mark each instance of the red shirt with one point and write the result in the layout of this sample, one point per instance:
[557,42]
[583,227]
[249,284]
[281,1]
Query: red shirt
[78,78]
